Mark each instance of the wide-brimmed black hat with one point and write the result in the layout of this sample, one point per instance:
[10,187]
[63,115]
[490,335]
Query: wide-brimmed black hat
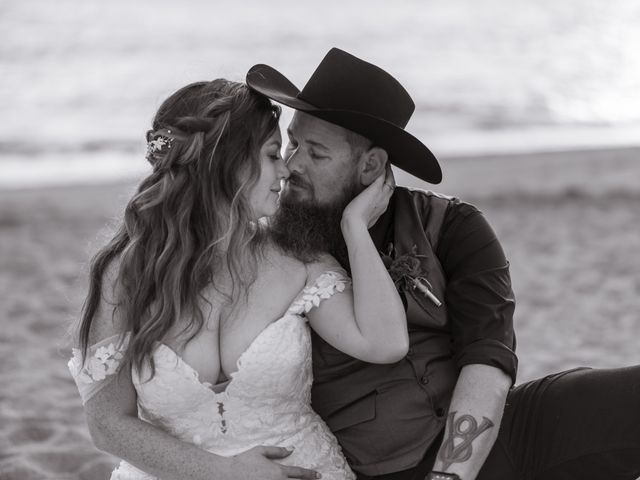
[360,97]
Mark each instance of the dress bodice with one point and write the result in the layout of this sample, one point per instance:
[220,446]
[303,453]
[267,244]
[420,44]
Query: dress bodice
[267,400]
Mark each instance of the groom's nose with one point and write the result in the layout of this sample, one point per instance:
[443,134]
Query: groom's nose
[283,170]
[293,159]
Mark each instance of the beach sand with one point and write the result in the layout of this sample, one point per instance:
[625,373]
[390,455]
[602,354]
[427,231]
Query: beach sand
[569,223]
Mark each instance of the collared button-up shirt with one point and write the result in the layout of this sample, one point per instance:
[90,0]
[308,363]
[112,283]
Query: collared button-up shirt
[387,416]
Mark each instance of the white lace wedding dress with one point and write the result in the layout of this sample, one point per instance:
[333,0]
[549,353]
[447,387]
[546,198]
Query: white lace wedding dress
[266,402]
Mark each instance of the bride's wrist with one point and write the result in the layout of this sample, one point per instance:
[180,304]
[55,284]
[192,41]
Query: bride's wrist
[351,225]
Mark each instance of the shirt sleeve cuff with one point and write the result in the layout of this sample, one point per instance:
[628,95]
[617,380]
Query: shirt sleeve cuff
[489,352]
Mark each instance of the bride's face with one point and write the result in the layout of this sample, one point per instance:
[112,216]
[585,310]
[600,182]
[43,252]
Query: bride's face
[264,195]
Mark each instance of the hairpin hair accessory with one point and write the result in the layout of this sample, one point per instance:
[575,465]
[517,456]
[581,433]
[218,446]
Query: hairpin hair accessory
[159,142]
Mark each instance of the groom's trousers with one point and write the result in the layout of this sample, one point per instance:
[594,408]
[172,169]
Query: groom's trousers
[581,424]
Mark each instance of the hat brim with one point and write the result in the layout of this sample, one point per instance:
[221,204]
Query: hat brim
[405,151]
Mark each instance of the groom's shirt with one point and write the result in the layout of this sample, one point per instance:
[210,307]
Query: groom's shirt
[387,416]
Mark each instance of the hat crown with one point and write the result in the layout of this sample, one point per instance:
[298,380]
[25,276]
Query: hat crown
[345,82]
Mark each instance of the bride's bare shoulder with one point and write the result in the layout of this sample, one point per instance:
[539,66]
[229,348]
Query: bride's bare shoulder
[282,260]
[323,263]
[298,269]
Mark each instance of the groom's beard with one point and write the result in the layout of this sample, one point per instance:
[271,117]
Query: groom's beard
[306,228]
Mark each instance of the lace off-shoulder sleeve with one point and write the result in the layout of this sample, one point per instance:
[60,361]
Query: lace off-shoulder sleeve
[326,285]
[100,367]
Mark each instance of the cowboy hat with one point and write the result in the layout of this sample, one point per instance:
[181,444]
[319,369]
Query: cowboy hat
[360,97]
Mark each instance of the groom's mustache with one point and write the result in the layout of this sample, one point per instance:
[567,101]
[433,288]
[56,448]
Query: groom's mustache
[297,180]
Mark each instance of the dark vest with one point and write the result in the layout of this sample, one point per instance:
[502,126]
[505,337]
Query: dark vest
[386,416]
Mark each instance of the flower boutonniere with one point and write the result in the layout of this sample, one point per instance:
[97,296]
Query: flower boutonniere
[406,272]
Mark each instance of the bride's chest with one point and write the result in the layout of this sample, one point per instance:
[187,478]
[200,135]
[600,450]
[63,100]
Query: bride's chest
[275,365]
[215,350]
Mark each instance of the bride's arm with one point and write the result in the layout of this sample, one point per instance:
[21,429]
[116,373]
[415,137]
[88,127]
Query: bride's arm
[370,324]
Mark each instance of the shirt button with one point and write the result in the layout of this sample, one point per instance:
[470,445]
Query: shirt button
[440,412]
[424,380]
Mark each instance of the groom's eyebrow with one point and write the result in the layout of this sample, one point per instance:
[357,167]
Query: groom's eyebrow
[311,142]
[317,145]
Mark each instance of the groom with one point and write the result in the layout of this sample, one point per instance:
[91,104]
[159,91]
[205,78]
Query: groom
[449,409]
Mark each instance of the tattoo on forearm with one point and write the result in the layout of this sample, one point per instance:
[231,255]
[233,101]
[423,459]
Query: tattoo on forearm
[461,432]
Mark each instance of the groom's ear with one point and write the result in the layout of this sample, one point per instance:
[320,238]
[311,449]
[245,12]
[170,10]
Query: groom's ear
[372,164]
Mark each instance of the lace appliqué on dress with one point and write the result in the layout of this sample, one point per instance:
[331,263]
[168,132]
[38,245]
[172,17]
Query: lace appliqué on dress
[324,287]
[102,363]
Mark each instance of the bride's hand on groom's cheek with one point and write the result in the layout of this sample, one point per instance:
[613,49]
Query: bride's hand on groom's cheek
[372,202]
[261,462]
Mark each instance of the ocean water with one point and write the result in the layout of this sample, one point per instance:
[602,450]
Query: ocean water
[81,79]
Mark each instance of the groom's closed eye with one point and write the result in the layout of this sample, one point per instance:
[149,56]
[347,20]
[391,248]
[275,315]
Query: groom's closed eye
[314,155]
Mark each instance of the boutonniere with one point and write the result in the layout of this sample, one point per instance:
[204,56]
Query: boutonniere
[406,272]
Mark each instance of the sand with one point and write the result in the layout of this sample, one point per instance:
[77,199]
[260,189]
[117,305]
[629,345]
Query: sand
[569,223]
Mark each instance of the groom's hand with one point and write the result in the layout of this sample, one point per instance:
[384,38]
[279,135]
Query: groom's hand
[259,462]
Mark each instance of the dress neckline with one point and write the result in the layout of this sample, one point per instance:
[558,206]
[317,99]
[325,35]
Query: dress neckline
[232,376]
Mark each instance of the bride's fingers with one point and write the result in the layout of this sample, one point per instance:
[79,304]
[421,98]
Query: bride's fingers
[388,182]
[384,181]
[380,179]
[392,177]
[389,178]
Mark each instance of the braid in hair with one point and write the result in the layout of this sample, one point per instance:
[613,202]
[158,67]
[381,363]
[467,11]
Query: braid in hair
[193,131]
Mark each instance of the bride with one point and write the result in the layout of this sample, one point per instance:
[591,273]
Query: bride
[193,358]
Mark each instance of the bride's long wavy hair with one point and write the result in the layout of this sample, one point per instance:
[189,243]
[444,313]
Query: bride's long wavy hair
[188,219]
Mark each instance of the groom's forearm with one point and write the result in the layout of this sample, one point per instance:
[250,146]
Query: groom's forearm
[474,420]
